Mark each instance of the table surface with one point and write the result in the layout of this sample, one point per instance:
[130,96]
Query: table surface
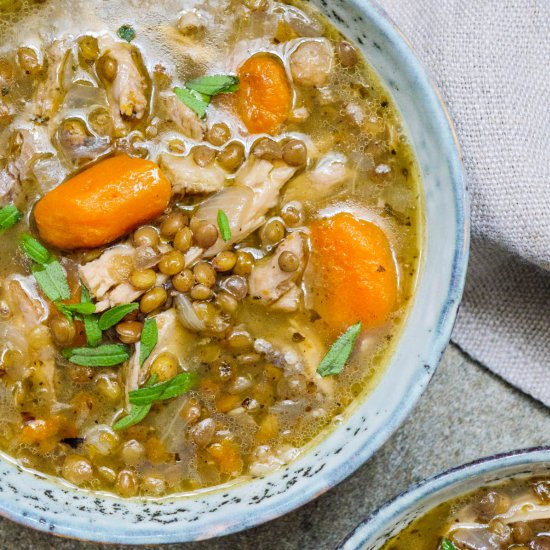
[448,427]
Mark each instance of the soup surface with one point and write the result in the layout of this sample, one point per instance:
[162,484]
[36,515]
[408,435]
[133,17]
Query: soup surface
[514,515]
[210,236]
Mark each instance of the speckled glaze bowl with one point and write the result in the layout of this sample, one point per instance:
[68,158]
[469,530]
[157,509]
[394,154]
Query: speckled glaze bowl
[394,516]
[44,503]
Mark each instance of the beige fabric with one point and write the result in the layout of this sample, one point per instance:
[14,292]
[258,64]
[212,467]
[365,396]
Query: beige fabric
[491,61]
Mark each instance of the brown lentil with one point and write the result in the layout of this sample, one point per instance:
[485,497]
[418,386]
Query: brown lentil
[295,152]
[126,483]
[146,236]
[63,330]
[143,279]
[183,239]
[204,274]
[288,261]
[347,54]
[232,156]
[273,232]
[164,366]
[129,332]
[77,469]
[244,263]
[237,286]
[226,302]
[203,155]
[153,299]
[89,49]
[171,262]
[172,224]
[291,215]
[224,261]
[218,134]
[206,235]
[267,149]
[239,340]
[200,292]
[183,281]
[107,68]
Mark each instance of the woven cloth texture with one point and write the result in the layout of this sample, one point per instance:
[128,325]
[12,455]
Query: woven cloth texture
[491,61]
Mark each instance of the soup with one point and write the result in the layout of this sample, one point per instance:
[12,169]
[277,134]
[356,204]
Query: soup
[514,515]
[211,229]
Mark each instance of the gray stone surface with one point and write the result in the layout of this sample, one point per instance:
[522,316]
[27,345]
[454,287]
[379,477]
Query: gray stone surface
[466,413]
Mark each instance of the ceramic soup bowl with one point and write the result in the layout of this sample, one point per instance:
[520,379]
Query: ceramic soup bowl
[46,504]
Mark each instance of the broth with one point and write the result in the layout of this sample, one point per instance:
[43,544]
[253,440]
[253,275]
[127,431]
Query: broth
[301,152]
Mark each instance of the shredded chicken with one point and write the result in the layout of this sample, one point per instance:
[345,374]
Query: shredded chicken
[256,190]
[187,177]
[185,118]
[311,62]
[268,282]
[49,92]
[267,459]
[128,92]
[106,277]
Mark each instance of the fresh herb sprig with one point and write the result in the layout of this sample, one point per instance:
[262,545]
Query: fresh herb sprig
[446,544]
[148,339]
[223,225]
[198,93]
[69,310]
[126,33]
[137,412]
[337,356]
[9,216]
[112,316]
[107,355]
[173,387]
[94,334]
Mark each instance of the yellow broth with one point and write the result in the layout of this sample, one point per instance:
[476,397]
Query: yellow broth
[258,400]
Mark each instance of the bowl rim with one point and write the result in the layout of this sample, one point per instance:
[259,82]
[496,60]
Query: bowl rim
[336,472]
[383,516]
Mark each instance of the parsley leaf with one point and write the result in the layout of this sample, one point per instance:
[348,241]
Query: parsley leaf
[214,84]
[126,33]
[9,216]
[148,340]
[223,224]
[116,314]
[106,355]
[194,100]
[338,354]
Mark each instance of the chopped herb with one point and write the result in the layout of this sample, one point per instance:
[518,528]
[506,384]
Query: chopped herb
[446,544]
[223,224]
[9,216]
[214,84]
[91,322]
[194,100]
[137,412]
[338,354]
[148,340]
[126,33]
[106,355]
[116,314]
[34,250]
[86,308]
[165,390]
[52,280]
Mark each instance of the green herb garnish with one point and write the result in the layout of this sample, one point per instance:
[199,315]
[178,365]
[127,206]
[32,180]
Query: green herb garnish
[86,308]
[194,100]
[34,250]
[52,280]
[9,216]
[106,355]
[214,84]
[148,340]
[446,544]
[91,322]
[126,33]
[137,412]
[164,390]
[338,354]
[223,224]
[116,314]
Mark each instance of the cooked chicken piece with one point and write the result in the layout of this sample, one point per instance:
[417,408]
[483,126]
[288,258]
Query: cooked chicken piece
[106,277]
[49,92]
[128,91]
[185,118]
[27,325]
[290,300]
[311,62]
[173,338]
[268,282]
[256,190]
[187,177]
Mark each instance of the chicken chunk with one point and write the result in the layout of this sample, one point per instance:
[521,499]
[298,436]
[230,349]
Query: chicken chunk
[106,277]
[256,190]
[187,177]
[128,91]
[311,63]
[268,282]
[187,121]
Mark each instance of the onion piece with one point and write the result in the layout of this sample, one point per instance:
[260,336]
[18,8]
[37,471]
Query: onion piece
[187,314]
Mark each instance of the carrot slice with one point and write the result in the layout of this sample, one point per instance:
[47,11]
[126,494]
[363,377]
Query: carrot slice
[102,203]
[354,270]
[264,97]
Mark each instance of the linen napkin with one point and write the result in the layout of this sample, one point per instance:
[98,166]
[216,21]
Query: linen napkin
[491,61]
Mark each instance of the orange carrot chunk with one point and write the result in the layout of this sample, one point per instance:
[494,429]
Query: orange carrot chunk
[264,97]
[354,270]
[102,203]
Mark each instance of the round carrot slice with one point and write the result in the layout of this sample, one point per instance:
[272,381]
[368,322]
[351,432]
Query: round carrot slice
[354,270]
[102,203]
[264,97]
